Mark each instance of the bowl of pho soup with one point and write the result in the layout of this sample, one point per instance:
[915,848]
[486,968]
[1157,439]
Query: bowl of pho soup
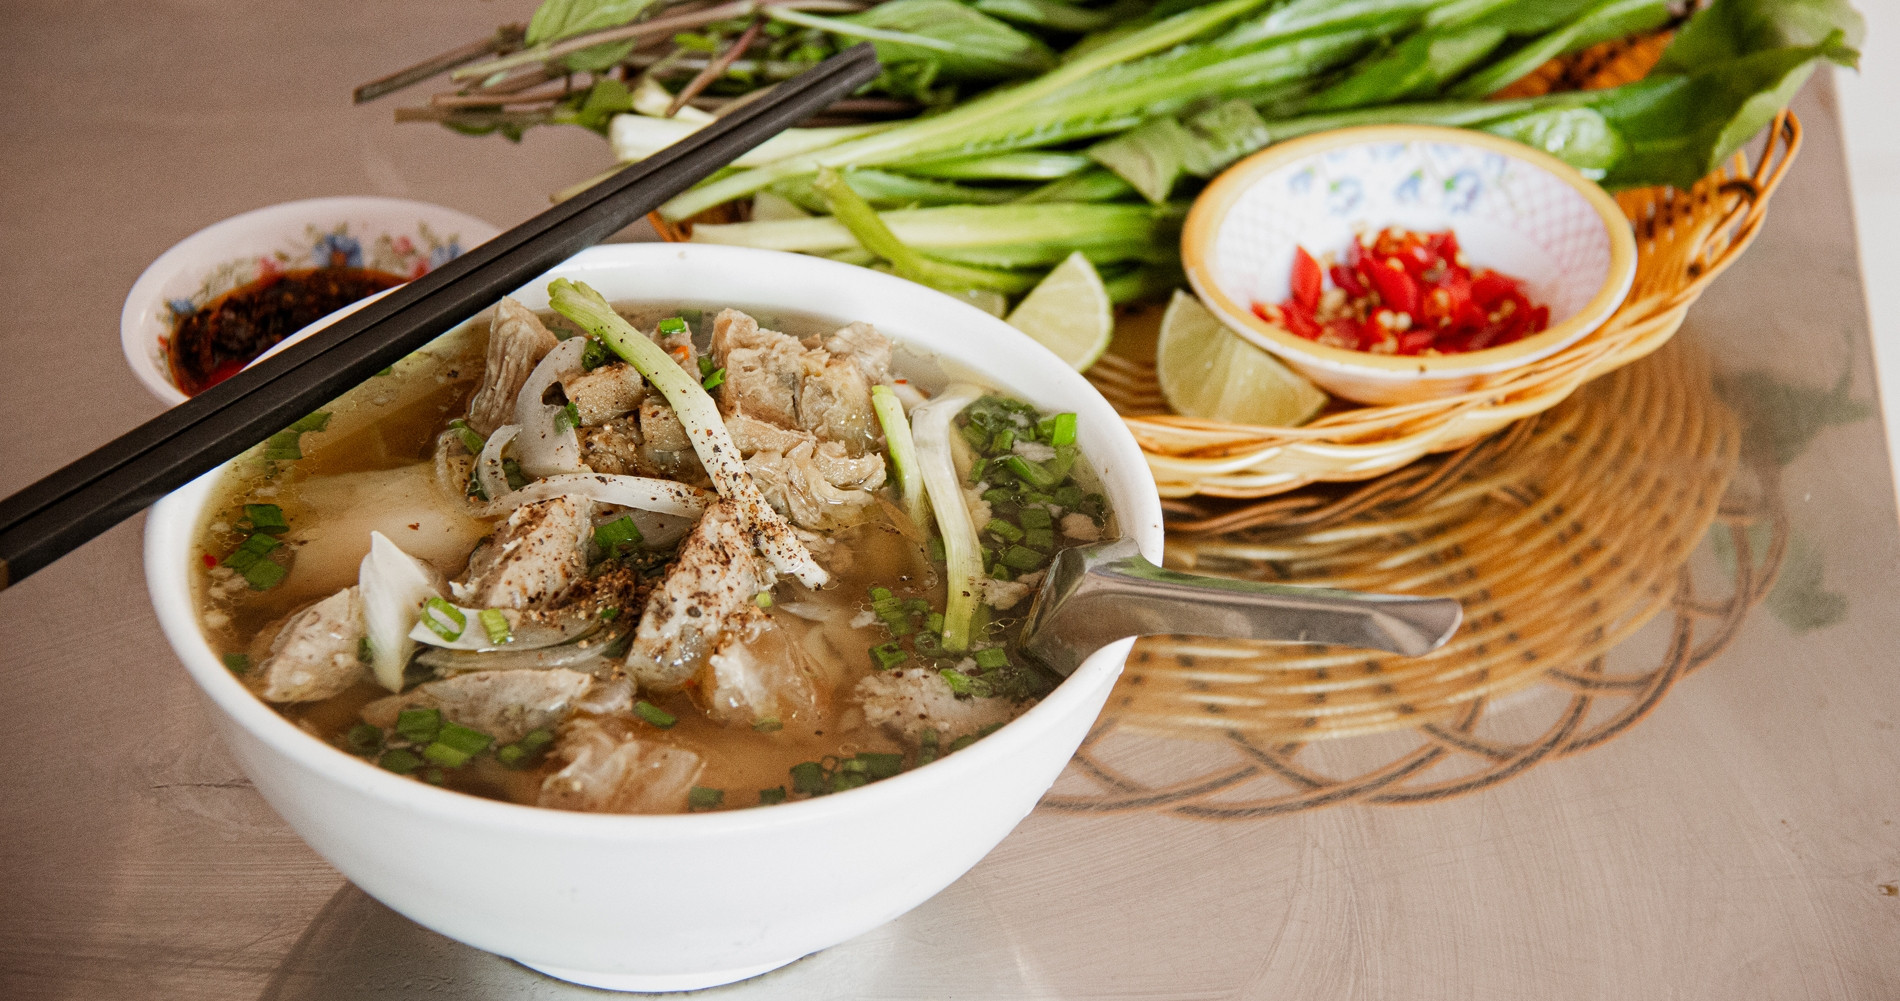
[660,640]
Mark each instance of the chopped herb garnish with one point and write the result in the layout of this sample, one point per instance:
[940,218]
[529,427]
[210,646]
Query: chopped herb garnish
[992,658]
[495,625]
[618,535]
[400,761]
[364,738]
[512,470]
[1021,558]
[926,746]
[977,469]
[364,652]
[523,752]
[888,655]
[767,724]
[1029,472]
[446,755]
[808,777]
[386,371]
[594,355]
[264,575]
[266,518]
[609,614]
[763,599]
[672,325]
[1004,530]
[433,776]
[961,742]
[283,447]
[419,726]
[1040,538]
[313,422]
[880,766]
[1003,441]
[772,797]
[237,663]
[470,440]
[881,594]
[959,682]
[464,739]
[935,547]
[702,798]
[535,740]
[1035,517]
[714,380]
[1063,433]
[654,714]
[1069,497]
[443,619]
[569,417]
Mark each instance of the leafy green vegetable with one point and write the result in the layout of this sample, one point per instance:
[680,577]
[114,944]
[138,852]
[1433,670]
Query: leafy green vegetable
[555,20]
[971,44]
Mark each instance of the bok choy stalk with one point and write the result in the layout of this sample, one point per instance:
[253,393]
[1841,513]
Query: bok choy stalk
[897,438]
[700,416]
[963,557]
[870,232]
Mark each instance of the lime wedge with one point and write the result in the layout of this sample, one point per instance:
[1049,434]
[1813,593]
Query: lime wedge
[1208,371]
[1068,312]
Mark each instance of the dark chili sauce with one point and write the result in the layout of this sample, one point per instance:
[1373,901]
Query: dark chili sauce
[213,343]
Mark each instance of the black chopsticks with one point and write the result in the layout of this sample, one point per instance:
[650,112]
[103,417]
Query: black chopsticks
[51,517]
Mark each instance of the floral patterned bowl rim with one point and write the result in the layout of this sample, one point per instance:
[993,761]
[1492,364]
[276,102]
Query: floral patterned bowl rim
[1201,232]
[393,234]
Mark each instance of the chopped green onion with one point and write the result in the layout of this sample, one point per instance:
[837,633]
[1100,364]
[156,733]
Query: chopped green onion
[1063,462]
[767,724]
[888,655]
[364,652]
[1063,432]
[387,370]
[977,469]
[880,766]
[1039,538]
[935,546]
[672,325]
[433,776]
[569,417]
[535,740]
[1069,497]
[419,726]
[237,663]
[267,518]
[364,738]
[934,622]
[1000,572]
[713,381]
[511,755]
[927,746]
[705,366]
[512,470]
[654,714]
[1004,530]
[808,778]
[594,355]
[702,798]
[992,658]
[881,594]
[470,440]
[443,619]
[1021,558]
[399,761]
[763,599]
[465,739]
[264,575]
[621,532]
[1029,472]
[609,613]
[772,797]
[958,681]
[978,438]
[961,742]
[312,422]
[848,780]
[1004,440]
[1035,517]
[446,755]
[495,625]
[997,495]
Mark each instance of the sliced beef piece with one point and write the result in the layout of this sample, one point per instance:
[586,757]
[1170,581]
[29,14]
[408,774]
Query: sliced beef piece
[861,344]
[506,705]
[757,672]
[517,340]
[537,554]
[612,447]
[796,485]
[715,580]
[315,653]
[908,701]
[606,393]
[763,369]
[753,435]
[604,770]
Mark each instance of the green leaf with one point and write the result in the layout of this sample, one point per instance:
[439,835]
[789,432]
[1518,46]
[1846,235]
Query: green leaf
[979,46]
[555,20]
[1416,68]
[1580,137]
[1610,19]
[870,231]
[598,105]
[1728,29]
[1153,157]
[1052,14]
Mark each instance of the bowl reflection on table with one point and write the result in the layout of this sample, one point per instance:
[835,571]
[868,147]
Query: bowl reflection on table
[677,902]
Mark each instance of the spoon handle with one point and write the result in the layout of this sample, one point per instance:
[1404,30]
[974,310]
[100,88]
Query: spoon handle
[1097,594]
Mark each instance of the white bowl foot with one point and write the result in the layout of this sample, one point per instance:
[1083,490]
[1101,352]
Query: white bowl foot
[655,983]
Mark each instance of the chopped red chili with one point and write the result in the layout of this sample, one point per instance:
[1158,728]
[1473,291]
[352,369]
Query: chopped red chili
[1407,293]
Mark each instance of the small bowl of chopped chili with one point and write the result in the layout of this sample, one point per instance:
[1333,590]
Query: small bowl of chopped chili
[1400,263]
[228,293]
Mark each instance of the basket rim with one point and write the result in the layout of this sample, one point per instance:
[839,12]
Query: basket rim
[1210,209]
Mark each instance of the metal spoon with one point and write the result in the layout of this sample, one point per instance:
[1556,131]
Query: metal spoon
[1095,595]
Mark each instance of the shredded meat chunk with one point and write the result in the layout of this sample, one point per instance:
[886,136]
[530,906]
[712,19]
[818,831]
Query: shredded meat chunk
[606,772]
[315,654]
[506,705]
[758,672]
[908,701]
[819,488]
[715,580]
[537,554]
[612,447]
[864,347]
[517,340]
[610,391]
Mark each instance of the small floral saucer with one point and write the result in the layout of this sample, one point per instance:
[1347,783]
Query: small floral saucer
[396,235]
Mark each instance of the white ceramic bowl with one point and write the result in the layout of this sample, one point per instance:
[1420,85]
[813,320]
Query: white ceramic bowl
[390,234]
[1515,209]
[678,902]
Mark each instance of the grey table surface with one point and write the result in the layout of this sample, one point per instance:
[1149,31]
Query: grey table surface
[1740,842]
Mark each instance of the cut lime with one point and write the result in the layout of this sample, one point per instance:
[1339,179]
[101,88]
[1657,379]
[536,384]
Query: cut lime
[1207,370]
[1068,312]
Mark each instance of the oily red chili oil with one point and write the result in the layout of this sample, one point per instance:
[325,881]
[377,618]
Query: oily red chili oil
[212,344]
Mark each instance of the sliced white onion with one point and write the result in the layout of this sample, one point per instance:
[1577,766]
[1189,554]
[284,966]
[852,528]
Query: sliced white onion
[488,468]
[394,586]
[547,444]
[645,493]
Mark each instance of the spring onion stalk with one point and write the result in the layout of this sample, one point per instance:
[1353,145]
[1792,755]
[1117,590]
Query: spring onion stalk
[963,557]
[700,416]
[1021,166]
[864,224]
[886,190]
[636,137]
[394,586]
[890,414]
[943,132]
